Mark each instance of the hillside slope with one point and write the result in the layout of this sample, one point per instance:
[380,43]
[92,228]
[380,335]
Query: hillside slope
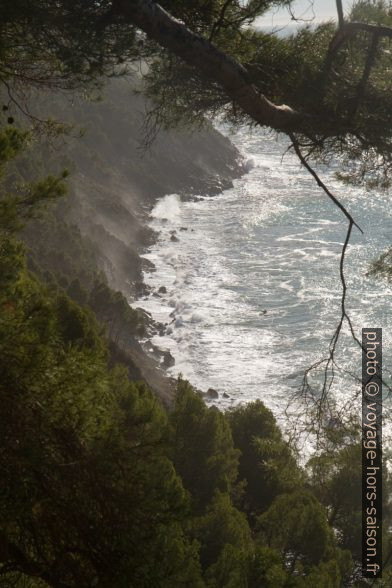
[96,234]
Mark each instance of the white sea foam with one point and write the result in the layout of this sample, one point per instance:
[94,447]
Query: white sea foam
[253,290]
[168,208]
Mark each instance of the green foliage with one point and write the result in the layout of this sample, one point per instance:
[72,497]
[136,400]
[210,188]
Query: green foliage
[76,325]
[297,525]
[80,46]
[88,495]
[266,568]
[336,480]
[376,12]
[58,247]
[221,526]
[101,487]
[60,256]
[382,266]
[11,142]
[16,208]
[202,447]
[113,310]
[22,204]
[266,461]
[82,459]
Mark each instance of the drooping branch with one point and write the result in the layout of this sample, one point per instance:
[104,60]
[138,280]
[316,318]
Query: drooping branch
[212,63]
[380,30]
[200,53]
[319,182]
[329,362]
[236,82]
[348,30]
[321,401]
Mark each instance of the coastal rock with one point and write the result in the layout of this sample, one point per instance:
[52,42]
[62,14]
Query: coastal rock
[212,393]
[144,313]
[162,290]
[167,359]
[112,203]
[141,289]
[147,265]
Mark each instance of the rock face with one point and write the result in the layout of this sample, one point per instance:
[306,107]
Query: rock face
[114,182]
[113,186]
[168,359]
[212,393]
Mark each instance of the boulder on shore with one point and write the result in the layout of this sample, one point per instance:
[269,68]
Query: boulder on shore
[212,393]
[167,359]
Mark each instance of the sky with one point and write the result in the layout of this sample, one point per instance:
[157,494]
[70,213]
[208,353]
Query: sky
[306,9]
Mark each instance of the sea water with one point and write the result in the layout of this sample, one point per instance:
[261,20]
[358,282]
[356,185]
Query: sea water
[253,292]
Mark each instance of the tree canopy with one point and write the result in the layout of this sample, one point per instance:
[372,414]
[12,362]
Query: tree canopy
[101,484]
[330,77]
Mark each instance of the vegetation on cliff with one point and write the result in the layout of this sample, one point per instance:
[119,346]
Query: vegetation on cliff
[101,485]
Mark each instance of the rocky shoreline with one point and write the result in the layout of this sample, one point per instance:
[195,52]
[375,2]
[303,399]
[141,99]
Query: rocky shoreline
[162,356]
[114,184]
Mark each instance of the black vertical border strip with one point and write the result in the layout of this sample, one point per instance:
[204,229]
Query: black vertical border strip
[371,453]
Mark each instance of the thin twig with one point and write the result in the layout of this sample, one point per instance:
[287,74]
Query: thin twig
[319,182]
[321,402]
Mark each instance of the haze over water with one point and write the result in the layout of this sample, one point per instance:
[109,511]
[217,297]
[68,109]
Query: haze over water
[253,290]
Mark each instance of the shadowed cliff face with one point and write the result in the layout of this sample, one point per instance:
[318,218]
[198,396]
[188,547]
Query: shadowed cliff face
[102,224]
[115,182]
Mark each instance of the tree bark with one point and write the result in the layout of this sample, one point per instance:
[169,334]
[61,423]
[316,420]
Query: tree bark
[210,61]
[350,28]
[339,8]
[232,76]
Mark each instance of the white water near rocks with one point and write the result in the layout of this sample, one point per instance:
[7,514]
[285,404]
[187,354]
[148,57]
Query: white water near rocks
[253,290]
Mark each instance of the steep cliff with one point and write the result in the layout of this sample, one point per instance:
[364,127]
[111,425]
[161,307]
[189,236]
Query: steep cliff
[115,181]
[113,184]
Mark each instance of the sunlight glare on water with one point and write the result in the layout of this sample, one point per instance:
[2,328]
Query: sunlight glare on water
[253,290]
